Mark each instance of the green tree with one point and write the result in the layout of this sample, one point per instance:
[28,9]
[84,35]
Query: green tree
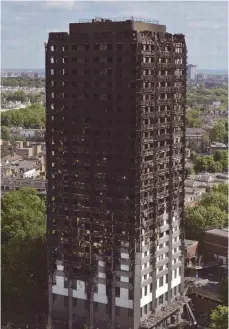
[201,164]
[193,156]
[216,199]
[221,156]
[5,133]
[193,119]
[221,188]
[215,218]
[195,222]
[24,268]
[219,318]
[23,82]
[219,132]
[31,117]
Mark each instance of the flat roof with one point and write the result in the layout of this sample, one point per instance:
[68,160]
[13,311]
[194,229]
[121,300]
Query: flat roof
[189,243]
[218,231]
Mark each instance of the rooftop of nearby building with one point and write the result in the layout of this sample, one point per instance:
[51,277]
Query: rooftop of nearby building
[220,232]
[194,131]
[10,158]
[189,243]
[217,144]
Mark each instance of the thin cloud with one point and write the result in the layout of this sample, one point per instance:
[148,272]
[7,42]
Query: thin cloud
[64,4]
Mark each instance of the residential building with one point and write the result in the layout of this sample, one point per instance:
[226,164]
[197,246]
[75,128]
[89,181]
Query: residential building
[196,139]
[115,98]
[215,243]
[191,252]
[191,72]
[217,147]
[30,134]
[16,183]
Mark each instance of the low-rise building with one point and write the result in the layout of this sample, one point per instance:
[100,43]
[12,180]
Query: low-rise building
[196,139]
[193,195]
[191,248]
[30,134]
[10,159]
[217,147]
[27,150]
[15,183]
[215,243]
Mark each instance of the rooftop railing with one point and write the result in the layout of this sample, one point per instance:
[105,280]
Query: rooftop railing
[120,19]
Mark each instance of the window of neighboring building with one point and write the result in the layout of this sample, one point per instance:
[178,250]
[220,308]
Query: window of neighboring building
[161,281]
[166,278]
[145,309]
[145,290]
[175,273]
[160,299]
[151,287]
[117,292]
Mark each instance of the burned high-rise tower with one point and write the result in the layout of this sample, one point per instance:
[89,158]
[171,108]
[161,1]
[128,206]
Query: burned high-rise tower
[115,97]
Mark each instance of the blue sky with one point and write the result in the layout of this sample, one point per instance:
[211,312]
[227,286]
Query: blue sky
[26,24]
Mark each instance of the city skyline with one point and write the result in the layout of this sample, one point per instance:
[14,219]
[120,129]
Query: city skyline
[204,25]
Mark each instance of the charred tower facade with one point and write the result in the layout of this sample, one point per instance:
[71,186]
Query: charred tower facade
[115,97]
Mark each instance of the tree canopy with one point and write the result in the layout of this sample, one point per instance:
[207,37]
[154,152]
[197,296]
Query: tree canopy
[216,163]
[202,97]
[24,268]
[31,117]
[219,318]
[219,131]
[211,213]
[21,96]
[23,82]
[193,119]
[215,199]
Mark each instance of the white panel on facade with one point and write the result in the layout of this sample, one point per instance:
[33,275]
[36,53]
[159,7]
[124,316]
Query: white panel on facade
[60,267]
[60,281]
[162,290]
[100,299]
[101,289]
[102,275]
[146,299]
[126,303]
[80,285]
[124,293]
[101,263]
[176,282]
[125,267]
[125,256]
[60,291]
[79,294]
[124,279]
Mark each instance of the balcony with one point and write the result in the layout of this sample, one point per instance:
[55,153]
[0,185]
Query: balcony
[164,90]
[165,54]
[165,77]
[147,102]
[147,77]
[147,52]
[148,66]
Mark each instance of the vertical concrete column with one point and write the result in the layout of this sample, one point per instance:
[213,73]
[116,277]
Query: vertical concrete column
[70,293]
[50,300]
[137,290]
